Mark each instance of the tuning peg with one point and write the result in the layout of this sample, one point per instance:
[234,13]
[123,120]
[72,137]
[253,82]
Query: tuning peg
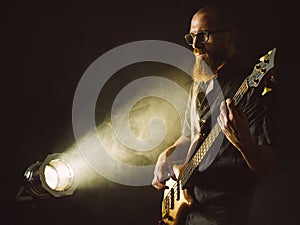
[266,90]
[273,80]
[269,85]
[263,70]
[264,57]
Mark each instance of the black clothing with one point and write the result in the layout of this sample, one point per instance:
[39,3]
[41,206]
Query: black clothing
[223,190]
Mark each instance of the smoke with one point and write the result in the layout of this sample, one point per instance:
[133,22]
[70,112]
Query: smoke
[146,117]
[143,109]
[84,175]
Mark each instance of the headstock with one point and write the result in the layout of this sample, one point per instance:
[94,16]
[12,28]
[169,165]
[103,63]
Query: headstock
[262,69]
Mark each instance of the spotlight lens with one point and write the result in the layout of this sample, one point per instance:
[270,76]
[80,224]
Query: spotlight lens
[58,175]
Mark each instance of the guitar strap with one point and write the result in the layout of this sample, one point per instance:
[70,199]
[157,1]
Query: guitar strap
[207,107]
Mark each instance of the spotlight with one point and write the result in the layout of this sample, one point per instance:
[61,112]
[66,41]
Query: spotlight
[52,177]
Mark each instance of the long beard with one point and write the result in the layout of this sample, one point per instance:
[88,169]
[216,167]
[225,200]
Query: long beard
[202,71]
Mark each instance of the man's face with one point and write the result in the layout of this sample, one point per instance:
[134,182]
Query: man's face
[215,51]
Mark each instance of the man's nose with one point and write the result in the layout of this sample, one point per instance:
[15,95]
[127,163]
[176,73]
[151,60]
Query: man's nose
[196,42]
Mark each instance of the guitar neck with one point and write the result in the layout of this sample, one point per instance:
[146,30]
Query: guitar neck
[209,140]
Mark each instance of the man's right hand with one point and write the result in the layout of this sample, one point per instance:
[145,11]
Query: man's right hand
[163,170]
[174,155]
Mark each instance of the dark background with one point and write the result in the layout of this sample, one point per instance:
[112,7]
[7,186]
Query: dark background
[46,49]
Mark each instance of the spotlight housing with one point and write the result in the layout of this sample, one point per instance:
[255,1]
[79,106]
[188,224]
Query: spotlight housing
[52,177]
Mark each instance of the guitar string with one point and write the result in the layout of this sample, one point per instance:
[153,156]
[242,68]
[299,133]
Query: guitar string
[206,145]
[187,172]
[215,131]
[210,138]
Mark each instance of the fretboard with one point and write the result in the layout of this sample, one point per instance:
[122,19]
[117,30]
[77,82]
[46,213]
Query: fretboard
[209,140]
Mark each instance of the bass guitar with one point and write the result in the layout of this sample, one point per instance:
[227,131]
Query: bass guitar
[176,199]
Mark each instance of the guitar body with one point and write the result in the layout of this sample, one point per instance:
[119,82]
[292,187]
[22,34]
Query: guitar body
[175,204]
